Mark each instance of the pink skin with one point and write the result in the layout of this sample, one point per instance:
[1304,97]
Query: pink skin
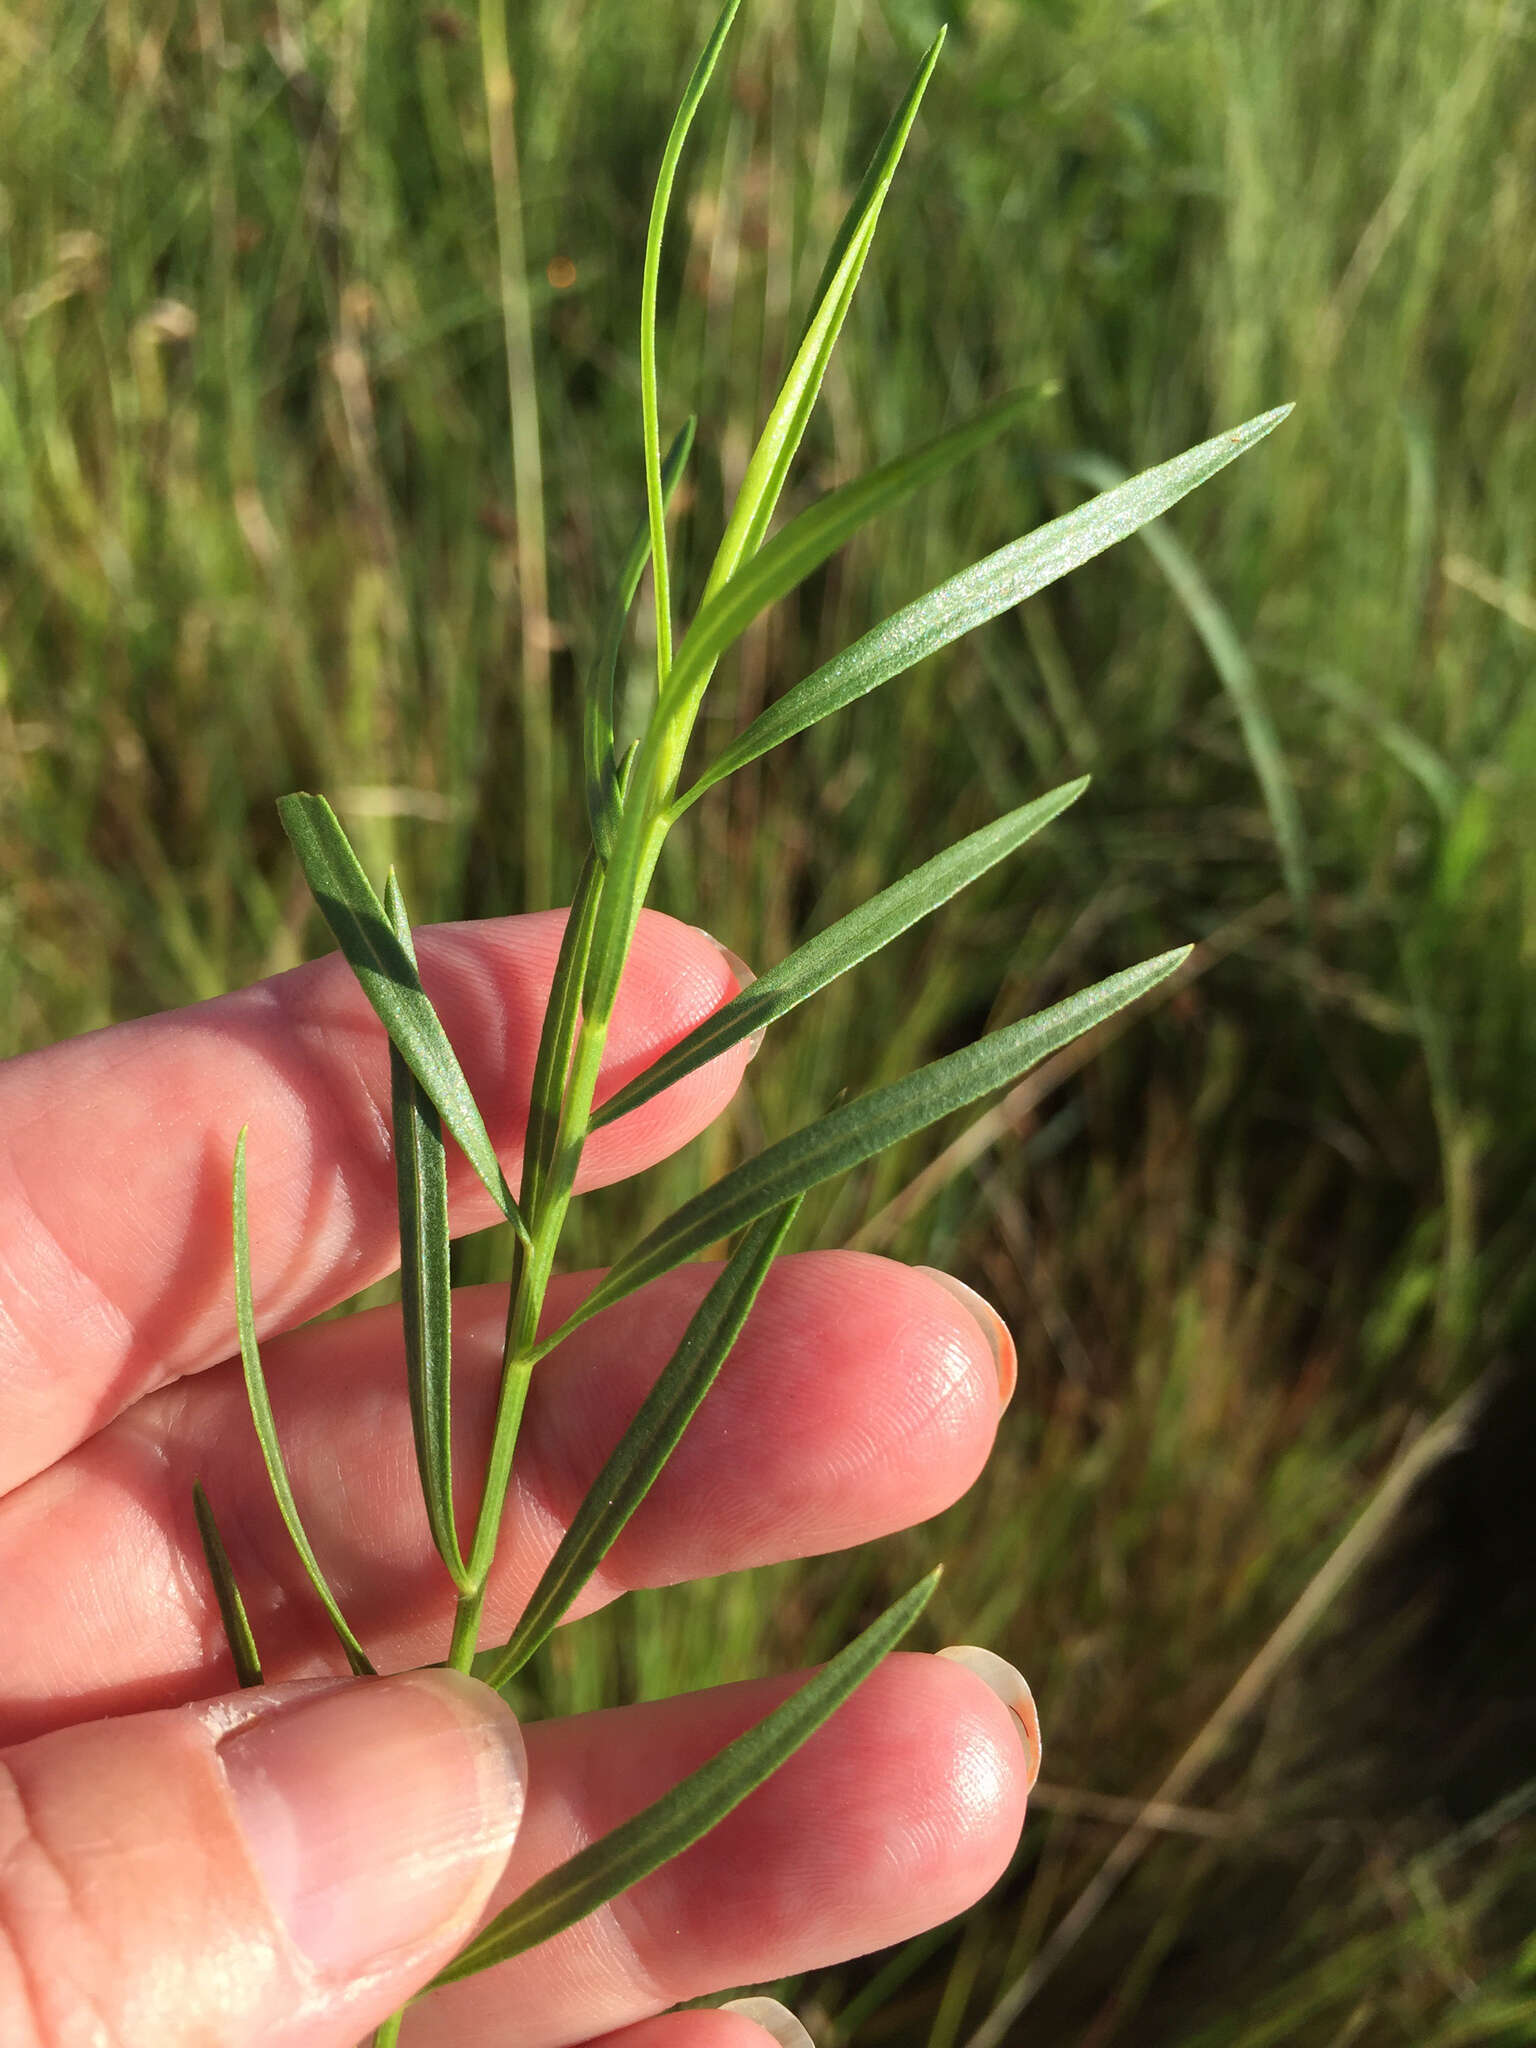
[861,1398]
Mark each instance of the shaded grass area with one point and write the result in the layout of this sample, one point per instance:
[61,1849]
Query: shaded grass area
[259,529]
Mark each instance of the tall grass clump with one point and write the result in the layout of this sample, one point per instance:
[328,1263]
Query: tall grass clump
[633,793]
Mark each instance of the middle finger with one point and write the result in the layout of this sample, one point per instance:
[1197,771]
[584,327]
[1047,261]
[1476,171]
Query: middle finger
[861,1397]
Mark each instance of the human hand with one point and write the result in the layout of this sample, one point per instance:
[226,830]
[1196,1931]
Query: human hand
[285,1866]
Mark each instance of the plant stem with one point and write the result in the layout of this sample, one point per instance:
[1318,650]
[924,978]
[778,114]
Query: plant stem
[388,2034]
[642,828]
[598,960]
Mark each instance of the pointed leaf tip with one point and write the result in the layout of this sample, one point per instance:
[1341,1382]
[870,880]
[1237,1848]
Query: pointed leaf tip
[386,972]
[1263,423]
[674,1822]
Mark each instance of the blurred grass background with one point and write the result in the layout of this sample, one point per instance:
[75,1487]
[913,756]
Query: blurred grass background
[260,528]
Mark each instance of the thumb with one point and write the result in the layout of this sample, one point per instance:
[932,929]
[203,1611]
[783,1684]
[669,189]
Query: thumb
[282,1867]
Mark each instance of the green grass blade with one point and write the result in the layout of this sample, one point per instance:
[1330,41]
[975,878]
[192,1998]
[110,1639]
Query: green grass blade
[421,1190]
[856,1131]
[980,593]
[266,1428]
[674,1823]
[237,1626]
[597,719]
[843,945]
[806,542]
[791,410]
[1230,659]
[1410,750]
[650,404]
[388,977]
[646,1445]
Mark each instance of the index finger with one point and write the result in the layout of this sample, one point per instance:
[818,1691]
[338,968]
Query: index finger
[115,1153]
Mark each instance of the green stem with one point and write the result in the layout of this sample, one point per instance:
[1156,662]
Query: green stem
[642,827]
[521,1346]
[388,2034]
[523,1312]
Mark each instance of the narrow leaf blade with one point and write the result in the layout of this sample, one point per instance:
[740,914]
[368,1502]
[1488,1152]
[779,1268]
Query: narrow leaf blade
[646,1445]
[1004,579]
[266,1428]
[653,1837]
[388,978]
[650,401]
[856,1131]
[821,529]
[562,1020]
[237,1626]
[598,753]
[791,410]
[843,945]
[421,1192]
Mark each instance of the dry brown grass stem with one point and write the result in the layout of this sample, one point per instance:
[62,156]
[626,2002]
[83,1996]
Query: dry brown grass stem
[1075,1802]
[1504,597]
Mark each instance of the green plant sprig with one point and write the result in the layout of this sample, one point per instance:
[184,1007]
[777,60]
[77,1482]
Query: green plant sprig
[631,806]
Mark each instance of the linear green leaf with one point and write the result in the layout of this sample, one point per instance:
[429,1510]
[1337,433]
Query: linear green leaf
[597,720]
[791,410]
[858,206]
[842,945]
[266,1428]
[562,1020]
[421,1191]
[650,404]
[389,979]
[980,593]
[856,1131]
[648,1442]
[653,1837]
[237,1626]
[821,529]
[1239,678]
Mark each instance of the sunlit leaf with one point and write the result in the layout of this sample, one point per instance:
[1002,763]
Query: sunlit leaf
[843,945]
[785,561]
[597,722]
[858,1130]
[791,409]
[576,1888]
[389,979]
[562,1019]
[237,1626]
[980,593]
[646,1445]
[266,1428]
[650,404]
[421,1188]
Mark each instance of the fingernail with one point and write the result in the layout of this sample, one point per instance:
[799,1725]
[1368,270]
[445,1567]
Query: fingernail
[745,976]
[1000,1676]
[379,1815]
[774,2019]
[990,1323]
